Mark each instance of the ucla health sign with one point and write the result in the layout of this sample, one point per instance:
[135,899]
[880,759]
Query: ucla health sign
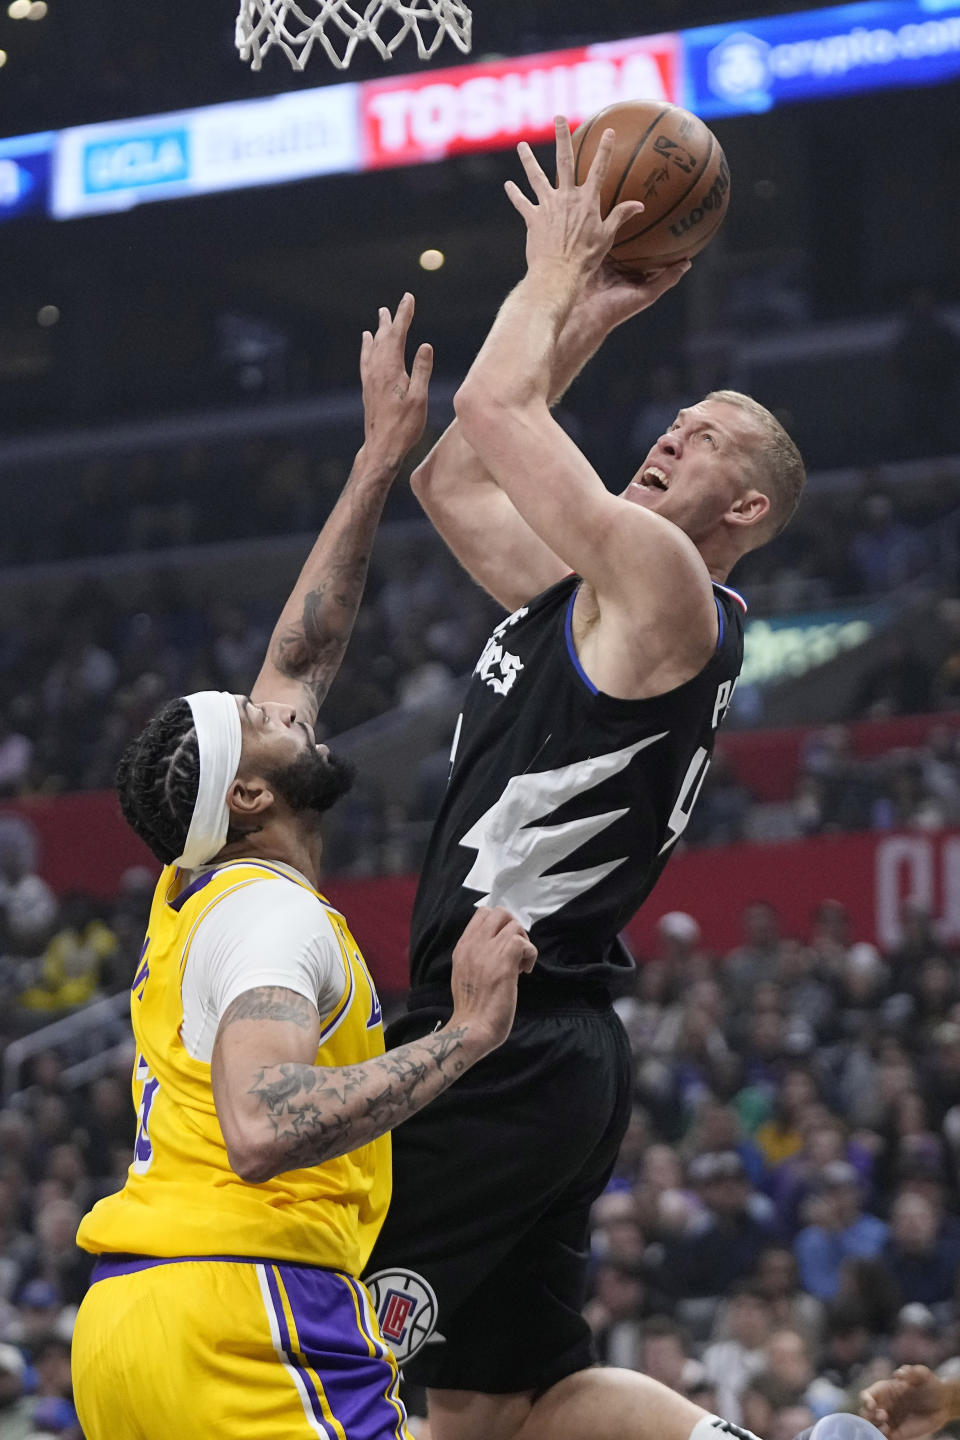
[220,147]
[739,68]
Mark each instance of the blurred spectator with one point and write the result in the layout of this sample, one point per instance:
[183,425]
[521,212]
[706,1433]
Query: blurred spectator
[733,1360]
[838,1229]
[28,902]
[74,960]
[848,1343]
[777,1279]
[757,958]
[916,1338]
[726,1238]
[922,1260]
[621,1302]
[789,1370]
[780,1137]
[665,1355]
[16,1406]
[884,552]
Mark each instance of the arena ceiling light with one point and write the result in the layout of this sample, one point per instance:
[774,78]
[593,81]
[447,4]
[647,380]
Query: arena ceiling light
[19,9]
[38,10]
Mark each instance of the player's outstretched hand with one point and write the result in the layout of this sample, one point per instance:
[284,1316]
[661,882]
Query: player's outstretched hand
[912,1403]
[487,961]
[565,226]
[394,403]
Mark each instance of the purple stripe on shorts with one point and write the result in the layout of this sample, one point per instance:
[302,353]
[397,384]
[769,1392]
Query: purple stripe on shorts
[295,1357]
[356,1384]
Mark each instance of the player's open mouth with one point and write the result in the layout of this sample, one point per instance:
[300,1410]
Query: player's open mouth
[653,478]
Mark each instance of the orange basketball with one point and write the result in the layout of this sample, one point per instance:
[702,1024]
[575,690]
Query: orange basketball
[671,161]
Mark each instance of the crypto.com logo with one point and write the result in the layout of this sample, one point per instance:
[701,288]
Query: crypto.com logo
[738,70]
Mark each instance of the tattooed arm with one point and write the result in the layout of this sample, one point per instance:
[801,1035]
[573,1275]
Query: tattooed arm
[310,637]
[279,1112]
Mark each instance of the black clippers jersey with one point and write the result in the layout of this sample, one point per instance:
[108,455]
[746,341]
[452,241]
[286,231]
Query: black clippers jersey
[563,803]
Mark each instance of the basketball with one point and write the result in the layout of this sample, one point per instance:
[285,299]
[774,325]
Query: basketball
[670,160]
[840,1427]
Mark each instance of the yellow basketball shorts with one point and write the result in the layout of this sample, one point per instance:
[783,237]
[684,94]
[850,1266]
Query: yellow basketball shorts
[232,1348]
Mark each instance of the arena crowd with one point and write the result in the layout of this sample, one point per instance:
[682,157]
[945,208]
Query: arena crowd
[781,1227]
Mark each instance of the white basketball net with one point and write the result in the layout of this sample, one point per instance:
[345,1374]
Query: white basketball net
[339,27]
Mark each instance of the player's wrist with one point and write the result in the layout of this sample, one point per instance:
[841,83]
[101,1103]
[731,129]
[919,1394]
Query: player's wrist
[475,1035]
[377,463]
[562,275]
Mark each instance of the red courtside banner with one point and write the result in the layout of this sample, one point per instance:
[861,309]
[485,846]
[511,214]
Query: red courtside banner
[493,105]
[84,844]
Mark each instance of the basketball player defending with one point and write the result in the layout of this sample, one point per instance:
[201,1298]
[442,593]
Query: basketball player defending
[584,741]
[225,1300]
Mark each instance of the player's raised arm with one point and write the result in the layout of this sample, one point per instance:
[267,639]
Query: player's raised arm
[278,1111]
[309,640]
[476,518]
[624,552]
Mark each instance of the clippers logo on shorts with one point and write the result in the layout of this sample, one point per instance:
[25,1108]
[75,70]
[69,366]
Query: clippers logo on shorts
[406,1310]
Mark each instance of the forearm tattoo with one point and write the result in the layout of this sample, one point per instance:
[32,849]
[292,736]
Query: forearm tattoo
[311,648]
[316,1114]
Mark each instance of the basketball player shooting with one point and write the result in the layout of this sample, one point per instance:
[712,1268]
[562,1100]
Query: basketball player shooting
[225,1299]
[583,743]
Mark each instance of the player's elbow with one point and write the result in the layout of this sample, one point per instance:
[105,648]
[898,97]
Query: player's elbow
[250,1152]
[252,1162]
[478,405]
[422,481]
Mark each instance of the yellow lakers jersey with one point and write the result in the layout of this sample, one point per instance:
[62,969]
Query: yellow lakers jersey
[181,1196]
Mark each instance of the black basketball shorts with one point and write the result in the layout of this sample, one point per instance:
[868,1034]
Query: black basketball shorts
[479,1274]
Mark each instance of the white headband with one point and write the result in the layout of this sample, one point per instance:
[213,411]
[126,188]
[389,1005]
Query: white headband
[219,739]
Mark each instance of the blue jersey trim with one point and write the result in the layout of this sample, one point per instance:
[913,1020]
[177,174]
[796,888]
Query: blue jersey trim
[723,623]
[568,631]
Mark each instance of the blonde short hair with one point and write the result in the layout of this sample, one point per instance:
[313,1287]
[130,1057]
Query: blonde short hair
[781,474]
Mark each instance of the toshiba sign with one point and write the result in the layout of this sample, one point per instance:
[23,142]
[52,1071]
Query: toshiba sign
[491,106]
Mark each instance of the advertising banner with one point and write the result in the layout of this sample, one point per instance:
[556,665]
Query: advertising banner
[195,152]
[25,165]
[425,116]
[754,65]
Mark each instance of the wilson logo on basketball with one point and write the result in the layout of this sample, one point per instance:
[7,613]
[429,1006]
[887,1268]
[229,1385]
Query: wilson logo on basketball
[714,199]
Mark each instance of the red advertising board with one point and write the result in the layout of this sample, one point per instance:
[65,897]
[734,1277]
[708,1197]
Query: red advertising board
[491,106]
[84,844]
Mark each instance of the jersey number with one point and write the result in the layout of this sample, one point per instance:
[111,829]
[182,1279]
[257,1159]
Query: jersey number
[143,1146]
[685,801]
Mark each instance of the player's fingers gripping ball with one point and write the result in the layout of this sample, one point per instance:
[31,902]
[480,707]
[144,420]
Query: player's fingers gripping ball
[673,163]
